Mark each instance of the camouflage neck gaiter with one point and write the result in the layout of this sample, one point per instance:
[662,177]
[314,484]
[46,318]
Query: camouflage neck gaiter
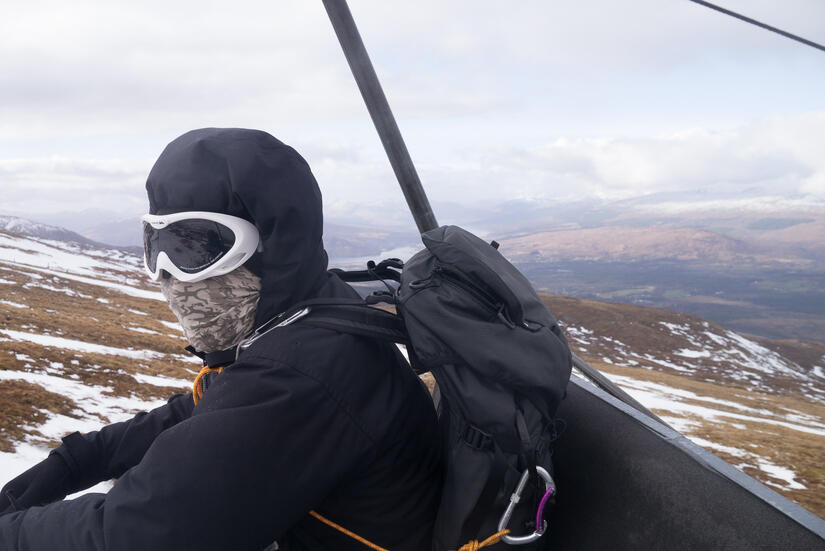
[217,312]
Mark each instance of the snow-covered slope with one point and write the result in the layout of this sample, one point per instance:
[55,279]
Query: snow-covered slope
[661,340]
[710,352]
[85,340]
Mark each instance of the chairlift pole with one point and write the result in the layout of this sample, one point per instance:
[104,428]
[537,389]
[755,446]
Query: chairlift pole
[382,117]
[364,73]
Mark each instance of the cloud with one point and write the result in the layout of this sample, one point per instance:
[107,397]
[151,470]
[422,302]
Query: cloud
[55,184]
[105,68]
[775,157]
[778,155]
[532,100]
[85,68]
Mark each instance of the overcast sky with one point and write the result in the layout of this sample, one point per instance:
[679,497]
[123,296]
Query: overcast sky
[549,101]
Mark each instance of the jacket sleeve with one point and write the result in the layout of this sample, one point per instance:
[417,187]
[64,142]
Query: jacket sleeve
[262,447]
[108,453]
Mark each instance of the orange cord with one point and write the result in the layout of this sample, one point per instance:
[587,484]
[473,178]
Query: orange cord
[470,546]
[197,388]
[492,540]
[474,545]
[347,532]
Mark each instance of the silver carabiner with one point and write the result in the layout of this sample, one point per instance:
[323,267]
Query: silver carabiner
[514,499]
[247,342]
[294,317]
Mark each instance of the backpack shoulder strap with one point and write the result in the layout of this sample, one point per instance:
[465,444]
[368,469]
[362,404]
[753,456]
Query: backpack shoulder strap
[361,319]
[347,315]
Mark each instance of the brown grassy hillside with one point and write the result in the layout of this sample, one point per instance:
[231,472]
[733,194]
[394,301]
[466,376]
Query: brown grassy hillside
[757,405]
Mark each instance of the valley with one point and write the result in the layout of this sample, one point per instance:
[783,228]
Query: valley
[759,272]
[767,300]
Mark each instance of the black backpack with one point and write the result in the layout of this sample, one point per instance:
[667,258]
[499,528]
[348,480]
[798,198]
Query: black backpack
[501,365]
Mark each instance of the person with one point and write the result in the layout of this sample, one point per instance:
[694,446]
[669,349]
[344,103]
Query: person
[302,419]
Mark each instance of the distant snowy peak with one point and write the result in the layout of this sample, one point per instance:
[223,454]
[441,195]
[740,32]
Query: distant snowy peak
[22,226]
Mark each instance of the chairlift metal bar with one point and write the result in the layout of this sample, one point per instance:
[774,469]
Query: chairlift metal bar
[379,109]
[765,26]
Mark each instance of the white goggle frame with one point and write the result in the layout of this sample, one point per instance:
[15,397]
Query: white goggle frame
[247,241]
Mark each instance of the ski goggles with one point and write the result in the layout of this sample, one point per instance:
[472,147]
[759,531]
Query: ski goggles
[193,246]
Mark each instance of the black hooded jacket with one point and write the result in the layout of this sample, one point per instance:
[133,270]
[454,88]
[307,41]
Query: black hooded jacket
[305,419]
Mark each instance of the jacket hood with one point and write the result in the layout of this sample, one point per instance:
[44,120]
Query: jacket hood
[252,175]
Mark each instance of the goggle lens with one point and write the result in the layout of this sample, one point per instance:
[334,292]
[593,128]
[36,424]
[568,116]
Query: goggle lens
[192,245]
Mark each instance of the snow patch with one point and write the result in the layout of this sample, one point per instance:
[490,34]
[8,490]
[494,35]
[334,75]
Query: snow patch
[95,406]
[157,380]
[143,330]
[172,325]
[730,450]
[40,253]
[680,423]
[782,473]
[91,400]
[64,290]
[665,363]
[660,397]
[121,287]
[718,339]
[693,353]
[755,356]
[579,335]
[95,409]
[101,488]
[80,346]
[677,329]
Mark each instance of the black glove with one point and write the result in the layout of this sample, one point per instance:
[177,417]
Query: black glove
[83,460]
[48,481]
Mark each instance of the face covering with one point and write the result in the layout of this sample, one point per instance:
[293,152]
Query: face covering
[217,312]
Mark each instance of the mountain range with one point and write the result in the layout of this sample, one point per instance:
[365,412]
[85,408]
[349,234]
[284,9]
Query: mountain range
[751,267]
[747,264]
[23,226]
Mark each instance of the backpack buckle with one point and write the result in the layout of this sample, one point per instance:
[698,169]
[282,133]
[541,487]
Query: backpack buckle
[514,499]
[476,438]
